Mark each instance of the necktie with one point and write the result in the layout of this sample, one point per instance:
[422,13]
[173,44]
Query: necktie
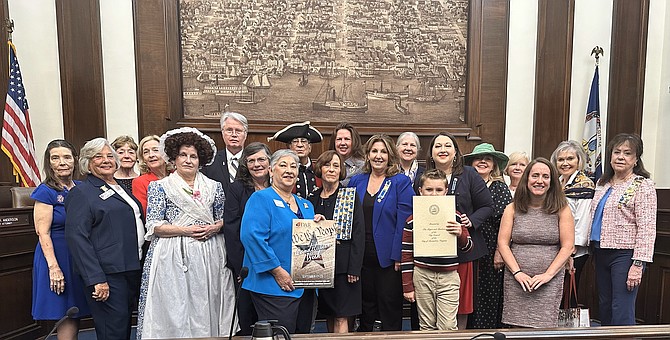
[232,169]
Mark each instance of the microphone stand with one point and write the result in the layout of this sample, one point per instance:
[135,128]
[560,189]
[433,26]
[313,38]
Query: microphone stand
[243,275]
[70,313]
[496,336]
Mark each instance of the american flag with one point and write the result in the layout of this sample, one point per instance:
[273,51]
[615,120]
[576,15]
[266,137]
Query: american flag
[17,136]
[592,140]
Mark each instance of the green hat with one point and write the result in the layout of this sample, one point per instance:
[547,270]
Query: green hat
[487,149]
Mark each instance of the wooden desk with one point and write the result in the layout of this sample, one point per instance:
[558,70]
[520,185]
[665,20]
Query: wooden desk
[17,249]
[611,332]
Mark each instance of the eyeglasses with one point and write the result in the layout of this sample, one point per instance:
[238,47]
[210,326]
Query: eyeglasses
[260,160]
[231,132]
[298,141]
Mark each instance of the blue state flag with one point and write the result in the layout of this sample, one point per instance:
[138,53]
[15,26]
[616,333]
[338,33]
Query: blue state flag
[592,140]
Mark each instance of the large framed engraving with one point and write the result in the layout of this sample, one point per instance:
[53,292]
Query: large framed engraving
[386,66]
[367,61]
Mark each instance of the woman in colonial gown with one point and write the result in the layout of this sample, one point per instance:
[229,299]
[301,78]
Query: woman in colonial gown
[187,290]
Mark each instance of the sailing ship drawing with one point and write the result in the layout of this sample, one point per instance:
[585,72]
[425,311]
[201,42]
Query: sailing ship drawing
[254,84]
[328,99]
[427,93]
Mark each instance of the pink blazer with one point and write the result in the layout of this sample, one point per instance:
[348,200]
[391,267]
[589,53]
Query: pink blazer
[629,219]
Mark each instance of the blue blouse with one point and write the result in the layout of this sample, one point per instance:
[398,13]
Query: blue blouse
[266,233]
[598,217]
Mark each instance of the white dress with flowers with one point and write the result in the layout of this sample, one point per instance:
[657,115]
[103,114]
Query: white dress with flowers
[187,290]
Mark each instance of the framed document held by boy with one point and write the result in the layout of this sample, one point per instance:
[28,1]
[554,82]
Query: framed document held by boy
[313,253]
[431,238]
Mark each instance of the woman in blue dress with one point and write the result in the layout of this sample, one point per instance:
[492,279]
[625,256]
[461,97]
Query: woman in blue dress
[55,287]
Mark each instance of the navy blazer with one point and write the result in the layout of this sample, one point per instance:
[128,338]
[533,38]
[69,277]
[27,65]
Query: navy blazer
[218,170]
[389,216]
[101,233]
[236,199]
[473,198]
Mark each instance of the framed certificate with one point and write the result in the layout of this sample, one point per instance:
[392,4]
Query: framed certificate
[313,253]
[431,238]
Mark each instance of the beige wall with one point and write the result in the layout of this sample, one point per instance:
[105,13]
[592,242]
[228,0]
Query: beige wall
[36,39]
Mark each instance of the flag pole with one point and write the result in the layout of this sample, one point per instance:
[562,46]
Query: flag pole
[592,141]
[597,51]
[9,26]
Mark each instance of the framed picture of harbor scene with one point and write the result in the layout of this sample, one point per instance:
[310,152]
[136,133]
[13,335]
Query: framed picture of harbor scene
[381,61]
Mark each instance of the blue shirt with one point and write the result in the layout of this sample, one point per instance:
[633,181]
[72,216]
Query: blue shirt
[598,217]
[48,195]
[266,233]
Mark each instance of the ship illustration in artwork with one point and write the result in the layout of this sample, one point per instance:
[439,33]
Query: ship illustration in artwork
[427,93]
[254,83]
[258,81]
[218,112]
[386,93]
[303,81]
[328,99]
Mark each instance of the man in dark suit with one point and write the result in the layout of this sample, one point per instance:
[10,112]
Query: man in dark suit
[234,128]
[299,138]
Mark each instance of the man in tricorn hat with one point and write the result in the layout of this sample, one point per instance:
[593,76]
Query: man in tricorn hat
[299,138]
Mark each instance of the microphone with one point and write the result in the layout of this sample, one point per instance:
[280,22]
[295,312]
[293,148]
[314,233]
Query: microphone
[496,336]
[68,315]
[243,275]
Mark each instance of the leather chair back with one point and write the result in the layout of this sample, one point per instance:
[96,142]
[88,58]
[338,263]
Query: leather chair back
[21,197]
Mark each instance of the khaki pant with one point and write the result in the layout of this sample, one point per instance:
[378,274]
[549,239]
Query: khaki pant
[436,296]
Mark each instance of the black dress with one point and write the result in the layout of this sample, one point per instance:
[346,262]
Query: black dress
[344,299]
[126,183]
[488,297]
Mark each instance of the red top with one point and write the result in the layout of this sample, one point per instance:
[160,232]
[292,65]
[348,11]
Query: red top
[140,187]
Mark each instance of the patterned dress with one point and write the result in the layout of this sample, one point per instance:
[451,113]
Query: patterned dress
[489,294]
[535,244]
[187,290]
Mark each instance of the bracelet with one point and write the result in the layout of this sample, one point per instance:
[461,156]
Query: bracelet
[516,272]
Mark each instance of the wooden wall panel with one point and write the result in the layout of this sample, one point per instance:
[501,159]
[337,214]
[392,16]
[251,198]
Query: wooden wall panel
[627,63]
[80,52]
[653,298]
[553,74]
[487,86]
[653,301]
[157,64]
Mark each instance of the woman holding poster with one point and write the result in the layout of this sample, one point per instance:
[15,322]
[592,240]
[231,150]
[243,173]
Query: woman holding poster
[267,238]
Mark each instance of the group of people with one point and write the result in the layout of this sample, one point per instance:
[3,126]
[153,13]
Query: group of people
[197,227]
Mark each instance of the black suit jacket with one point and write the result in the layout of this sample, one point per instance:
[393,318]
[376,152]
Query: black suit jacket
[218,170]
[101,233]
[473,198]
[236,200]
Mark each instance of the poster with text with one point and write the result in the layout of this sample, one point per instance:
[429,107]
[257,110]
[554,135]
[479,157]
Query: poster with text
[313,254]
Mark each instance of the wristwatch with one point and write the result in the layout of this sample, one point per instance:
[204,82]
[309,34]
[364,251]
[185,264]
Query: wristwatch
[637,263]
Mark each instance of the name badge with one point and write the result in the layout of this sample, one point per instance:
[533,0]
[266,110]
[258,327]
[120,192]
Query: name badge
[279,203]
[107,194]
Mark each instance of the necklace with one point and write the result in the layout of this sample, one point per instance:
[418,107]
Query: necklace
[282,195]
